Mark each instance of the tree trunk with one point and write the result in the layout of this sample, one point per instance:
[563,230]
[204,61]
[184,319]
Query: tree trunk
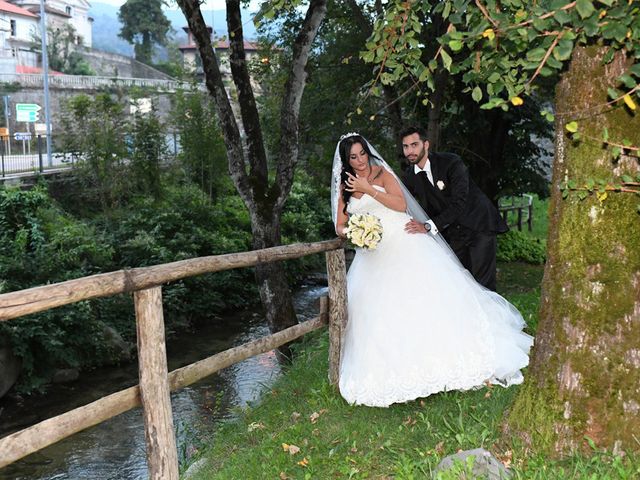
[434,110]
[272,280]
[584,378]
[264,201]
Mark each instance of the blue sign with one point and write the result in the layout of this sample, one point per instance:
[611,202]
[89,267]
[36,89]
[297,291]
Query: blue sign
[22,135]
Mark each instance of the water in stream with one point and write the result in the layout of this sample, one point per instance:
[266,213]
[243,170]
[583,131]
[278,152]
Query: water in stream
[115,449]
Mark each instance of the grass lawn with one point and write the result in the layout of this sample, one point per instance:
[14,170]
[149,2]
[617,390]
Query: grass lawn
[303,429]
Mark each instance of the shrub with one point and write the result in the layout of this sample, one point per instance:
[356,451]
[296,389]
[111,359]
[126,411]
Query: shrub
[518,246]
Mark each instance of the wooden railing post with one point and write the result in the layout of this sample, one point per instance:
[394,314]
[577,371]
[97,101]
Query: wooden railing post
[336,270]
[162,454]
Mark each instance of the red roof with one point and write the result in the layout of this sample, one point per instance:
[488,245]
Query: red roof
[224,45]
[10,8]
[27,69]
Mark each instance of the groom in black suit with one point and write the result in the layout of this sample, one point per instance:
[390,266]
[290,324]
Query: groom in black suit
[464,215]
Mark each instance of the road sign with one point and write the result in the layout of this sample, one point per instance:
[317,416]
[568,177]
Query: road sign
[27,112]
[22,135]
[40,128]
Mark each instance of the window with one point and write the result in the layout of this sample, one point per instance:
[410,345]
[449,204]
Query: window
[67,10]
[13,28]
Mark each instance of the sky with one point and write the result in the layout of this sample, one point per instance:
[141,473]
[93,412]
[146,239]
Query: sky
[208,5]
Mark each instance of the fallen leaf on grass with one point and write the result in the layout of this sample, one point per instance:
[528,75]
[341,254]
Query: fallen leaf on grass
[295,416]
[439,448]
[316,415]
[506,458]
[255,426]
[292,449]
[304,462]
[409,422]
[284,476]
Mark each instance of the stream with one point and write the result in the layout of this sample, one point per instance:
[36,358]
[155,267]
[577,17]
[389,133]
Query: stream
[115,449]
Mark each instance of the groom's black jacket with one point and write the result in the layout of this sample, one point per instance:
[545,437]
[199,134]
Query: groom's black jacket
[453,198]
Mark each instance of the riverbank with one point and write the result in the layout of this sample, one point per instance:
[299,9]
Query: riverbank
[303,429]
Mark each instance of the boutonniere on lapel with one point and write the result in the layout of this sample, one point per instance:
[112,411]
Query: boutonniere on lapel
[440,185]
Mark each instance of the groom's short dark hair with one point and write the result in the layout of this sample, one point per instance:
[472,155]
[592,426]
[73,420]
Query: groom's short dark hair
[414,129]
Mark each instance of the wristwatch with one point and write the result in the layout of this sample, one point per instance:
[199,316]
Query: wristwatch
[427,226]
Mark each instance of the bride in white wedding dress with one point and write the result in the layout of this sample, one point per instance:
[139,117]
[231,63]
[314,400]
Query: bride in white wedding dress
[418,322]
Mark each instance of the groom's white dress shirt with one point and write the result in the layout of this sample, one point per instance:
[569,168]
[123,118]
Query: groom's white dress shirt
[427,170]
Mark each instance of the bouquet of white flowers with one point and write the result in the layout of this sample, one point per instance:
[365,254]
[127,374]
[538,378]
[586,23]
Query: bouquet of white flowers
[364,230]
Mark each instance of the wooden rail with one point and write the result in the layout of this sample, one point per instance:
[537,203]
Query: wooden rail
[525,204]
[155,382]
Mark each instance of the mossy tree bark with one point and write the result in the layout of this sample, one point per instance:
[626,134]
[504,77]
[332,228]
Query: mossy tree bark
[584,378]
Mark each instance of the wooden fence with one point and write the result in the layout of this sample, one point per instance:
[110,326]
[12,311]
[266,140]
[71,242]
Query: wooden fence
[522,206]
[155,381]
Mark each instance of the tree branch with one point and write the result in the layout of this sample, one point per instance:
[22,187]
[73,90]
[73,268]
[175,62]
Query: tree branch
[546,57]
[246,100]
[290,111]
[213,81]
[486,14]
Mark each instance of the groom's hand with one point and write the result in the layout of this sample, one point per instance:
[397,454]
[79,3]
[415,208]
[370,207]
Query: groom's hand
[413,226]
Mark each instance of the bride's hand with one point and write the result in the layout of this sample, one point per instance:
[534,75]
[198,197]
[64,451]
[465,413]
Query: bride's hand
[358,184]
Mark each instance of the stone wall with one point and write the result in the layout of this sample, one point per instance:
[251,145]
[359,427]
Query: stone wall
[161,101]
[113,65]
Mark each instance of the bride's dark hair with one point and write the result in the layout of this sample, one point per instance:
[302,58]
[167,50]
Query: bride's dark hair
[345,151]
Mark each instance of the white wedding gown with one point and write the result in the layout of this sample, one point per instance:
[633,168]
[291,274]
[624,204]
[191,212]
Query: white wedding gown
[419,323]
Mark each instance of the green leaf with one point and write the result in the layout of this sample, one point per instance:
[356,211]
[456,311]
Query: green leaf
[582,194]
[565,194]
[628,81]
[447,10]
[426,73]
[635,69]
[456,45]
[613,93]
[614,30]
[540,24]
[591,26]
[476,94]
[615,152]
[562,17]
[446,59]
[554,63]
[572,127]
[585,8]
[550,117]
[605,134]
[608,57]
[590,184]
[536,54]
[572,184]
[608,3]
[627,179]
